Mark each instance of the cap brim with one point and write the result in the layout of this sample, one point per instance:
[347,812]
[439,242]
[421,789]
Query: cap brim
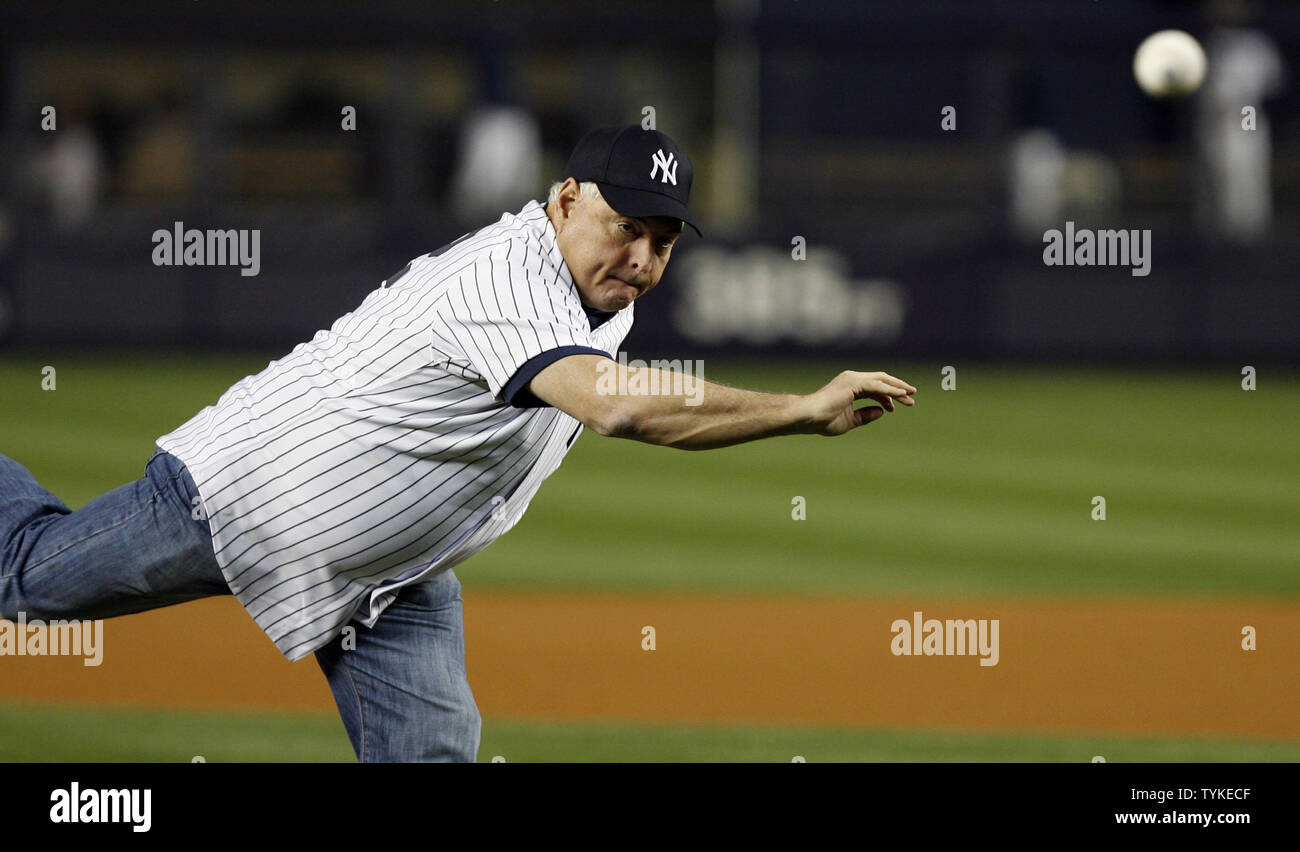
[640,204]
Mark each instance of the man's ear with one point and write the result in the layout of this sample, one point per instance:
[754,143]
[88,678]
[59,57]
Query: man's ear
[569,195]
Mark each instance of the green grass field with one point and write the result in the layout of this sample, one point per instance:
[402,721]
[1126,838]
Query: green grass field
[57,734]
[986,488]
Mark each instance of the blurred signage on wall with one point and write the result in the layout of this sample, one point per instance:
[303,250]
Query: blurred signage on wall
[757,295]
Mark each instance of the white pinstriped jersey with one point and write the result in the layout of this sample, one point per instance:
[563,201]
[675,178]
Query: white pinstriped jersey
[398,443]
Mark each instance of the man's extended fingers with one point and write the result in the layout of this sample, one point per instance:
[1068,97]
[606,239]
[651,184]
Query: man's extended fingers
[882,392]
[888,401]
[885,378]
[898,382]
[867,382]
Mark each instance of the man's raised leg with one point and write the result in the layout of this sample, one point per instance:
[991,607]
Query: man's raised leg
[138,547]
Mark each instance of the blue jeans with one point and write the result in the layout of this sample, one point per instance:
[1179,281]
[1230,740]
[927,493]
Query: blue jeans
[400,687]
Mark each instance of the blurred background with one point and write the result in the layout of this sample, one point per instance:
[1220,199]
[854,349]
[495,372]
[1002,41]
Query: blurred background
[815,120]
[873,179]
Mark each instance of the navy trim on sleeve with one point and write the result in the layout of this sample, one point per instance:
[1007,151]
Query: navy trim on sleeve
[516,391]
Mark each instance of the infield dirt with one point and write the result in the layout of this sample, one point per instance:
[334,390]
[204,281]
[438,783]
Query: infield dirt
[1118,666]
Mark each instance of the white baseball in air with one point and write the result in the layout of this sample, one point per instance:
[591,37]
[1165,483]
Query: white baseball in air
[1169,64]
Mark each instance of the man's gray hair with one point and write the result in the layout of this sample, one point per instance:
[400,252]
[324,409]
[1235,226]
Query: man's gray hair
[586,189]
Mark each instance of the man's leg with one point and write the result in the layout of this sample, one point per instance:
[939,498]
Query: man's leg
[133,549]
[402,691]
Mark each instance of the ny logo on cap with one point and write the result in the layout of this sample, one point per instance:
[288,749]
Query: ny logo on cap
[659,161]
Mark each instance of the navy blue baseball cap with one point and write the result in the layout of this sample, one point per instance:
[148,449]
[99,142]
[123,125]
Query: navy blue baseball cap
[640,173]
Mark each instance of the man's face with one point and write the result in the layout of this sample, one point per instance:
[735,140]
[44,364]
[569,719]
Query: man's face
[614,259]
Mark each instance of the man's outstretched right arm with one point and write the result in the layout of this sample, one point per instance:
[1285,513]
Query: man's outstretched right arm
[704,415]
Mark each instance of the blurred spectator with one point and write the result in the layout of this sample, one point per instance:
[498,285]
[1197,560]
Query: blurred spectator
[1235,195]
[500,163]
[68,173]
[1037,185]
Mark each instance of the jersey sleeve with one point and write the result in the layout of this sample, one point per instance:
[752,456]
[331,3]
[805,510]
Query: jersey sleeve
[504,316]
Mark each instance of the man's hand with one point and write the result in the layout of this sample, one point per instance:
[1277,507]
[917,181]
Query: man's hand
[830,410]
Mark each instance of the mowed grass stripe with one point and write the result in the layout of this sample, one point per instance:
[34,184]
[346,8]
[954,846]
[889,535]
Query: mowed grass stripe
[532,742]
[55,733]
[971,537]
[710,565]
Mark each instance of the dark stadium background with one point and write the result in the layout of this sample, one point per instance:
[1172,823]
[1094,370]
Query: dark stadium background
[825,115]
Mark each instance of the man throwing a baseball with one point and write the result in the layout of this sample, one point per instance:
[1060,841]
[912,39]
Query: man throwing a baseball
[334,492]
